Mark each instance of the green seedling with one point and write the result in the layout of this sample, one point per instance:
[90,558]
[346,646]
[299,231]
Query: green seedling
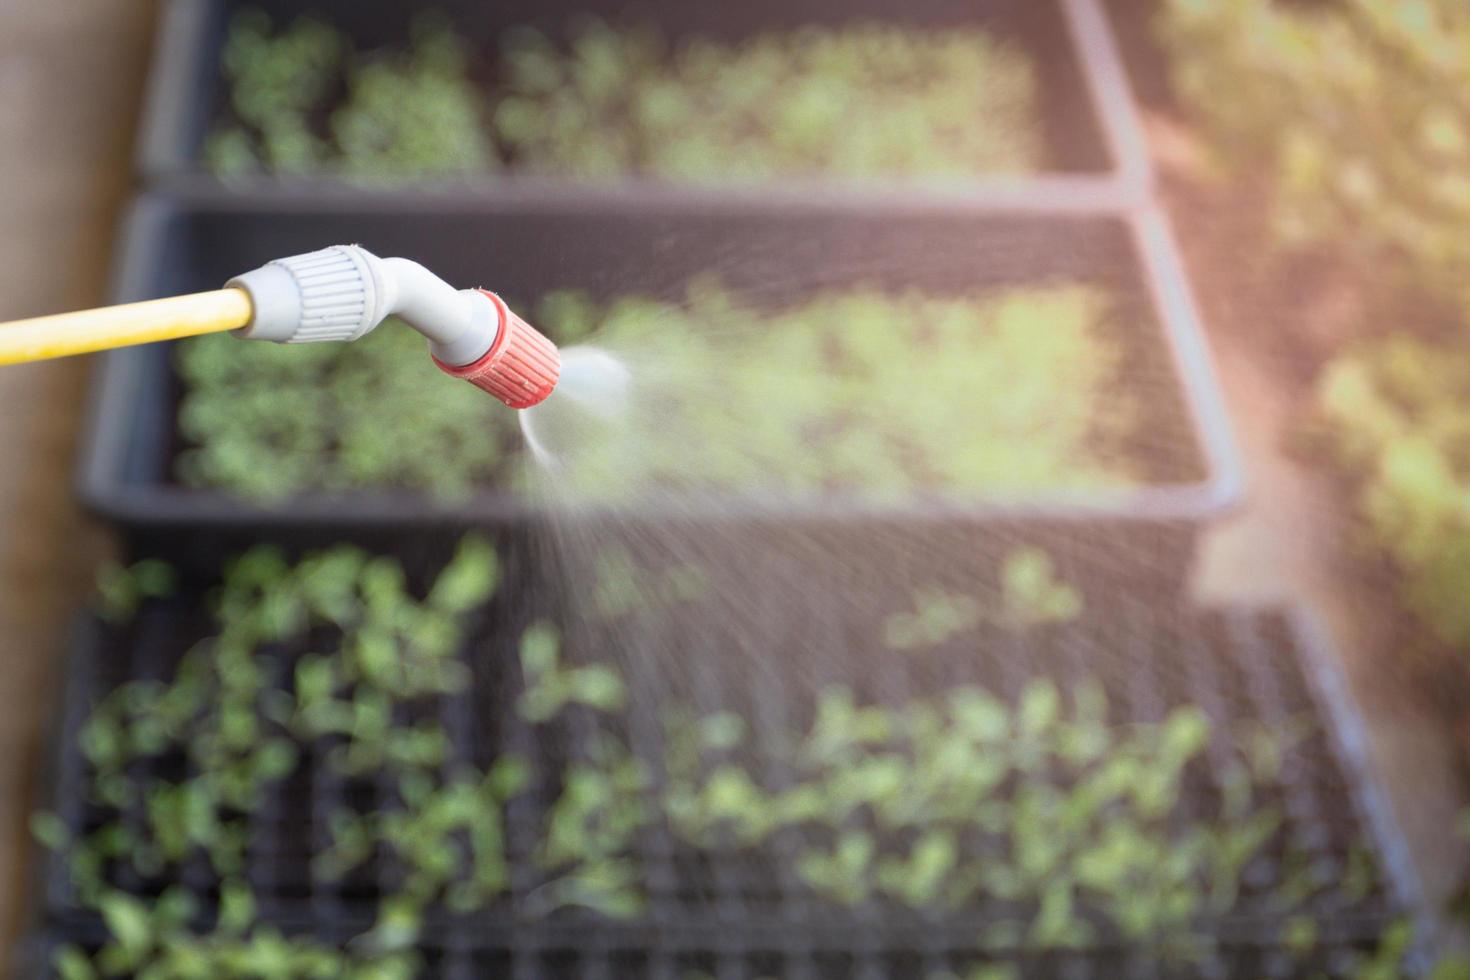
[612,102]
[405,114]
[120,591]
[843,875]
[413,115]
[448,826]
[276,83]
[727,806]
[1362,123]
[604,804]
[153,939]
[1032,594]
[1356,113]
[238,735]
[813,399]
[1451,966]
[1393,416]
[1077,815]
[917,879]
[937,617]
[266,422]
[550,686]
[935,804]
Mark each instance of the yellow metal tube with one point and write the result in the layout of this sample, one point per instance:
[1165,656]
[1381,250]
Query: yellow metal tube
[122,326]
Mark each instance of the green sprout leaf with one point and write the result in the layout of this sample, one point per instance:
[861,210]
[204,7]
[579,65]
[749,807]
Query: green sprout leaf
[50,831]
[129,922]
[1032,593]
[72,964]
[120,591]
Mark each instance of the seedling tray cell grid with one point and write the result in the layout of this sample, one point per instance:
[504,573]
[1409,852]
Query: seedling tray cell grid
[743,914]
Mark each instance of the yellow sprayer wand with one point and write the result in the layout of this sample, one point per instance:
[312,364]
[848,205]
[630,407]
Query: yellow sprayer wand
[337,294]
[121,326]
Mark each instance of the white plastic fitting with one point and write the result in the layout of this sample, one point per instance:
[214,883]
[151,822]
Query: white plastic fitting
[342,293]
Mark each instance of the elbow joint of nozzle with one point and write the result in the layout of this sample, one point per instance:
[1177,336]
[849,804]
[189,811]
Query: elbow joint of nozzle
[343,293]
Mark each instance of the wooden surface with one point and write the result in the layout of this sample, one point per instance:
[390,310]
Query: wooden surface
[70,78]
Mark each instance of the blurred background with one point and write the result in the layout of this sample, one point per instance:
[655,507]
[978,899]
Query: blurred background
[68,174]
[1037,543]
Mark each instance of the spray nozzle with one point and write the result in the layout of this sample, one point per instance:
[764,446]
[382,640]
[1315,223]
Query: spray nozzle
[344,292]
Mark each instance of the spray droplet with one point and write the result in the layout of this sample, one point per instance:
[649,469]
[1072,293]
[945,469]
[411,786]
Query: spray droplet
[591,397]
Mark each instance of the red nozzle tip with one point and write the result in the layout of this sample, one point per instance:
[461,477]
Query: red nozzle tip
[521,368]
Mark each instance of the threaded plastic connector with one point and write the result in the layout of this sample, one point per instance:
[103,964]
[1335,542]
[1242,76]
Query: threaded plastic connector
[522,366]
[322,296]
[343,292]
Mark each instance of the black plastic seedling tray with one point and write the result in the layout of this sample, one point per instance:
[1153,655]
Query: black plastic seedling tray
[741,916]
[180,244]
[1088,119]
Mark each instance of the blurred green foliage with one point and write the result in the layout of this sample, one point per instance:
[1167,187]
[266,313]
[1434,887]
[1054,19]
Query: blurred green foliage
[185,764]
[276,84]
[1395,414]
[818,397]
[1030,595]
[887,397]
[1079,821]
[860,101]
[120,591]
[302,103]
[412,115]
[1360,112]
[550,686]
[266,421]
[1082,821]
